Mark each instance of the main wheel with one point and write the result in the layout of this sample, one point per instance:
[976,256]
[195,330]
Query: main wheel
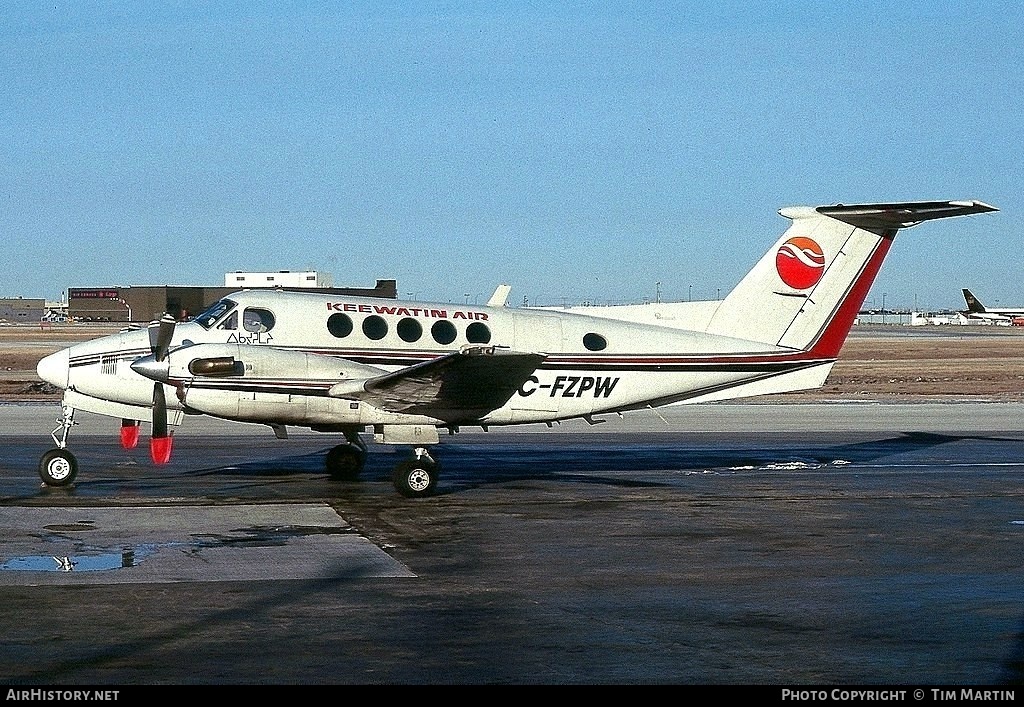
[58,467]
[416,478]
[345,462]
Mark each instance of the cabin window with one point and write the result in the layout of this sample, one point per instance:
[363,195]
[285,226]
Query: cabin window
[340,325]
[443,332]
[257,321]
[478,333]
[594,342]
[409,330]
[375,327]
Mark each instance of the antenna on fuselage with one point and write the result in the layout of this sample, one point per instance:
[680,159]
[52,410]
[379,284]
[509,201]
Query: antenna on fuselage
[500,296]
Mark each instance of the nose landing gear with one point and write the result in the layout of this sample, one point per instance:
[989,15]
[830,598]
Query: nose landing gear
[59,467]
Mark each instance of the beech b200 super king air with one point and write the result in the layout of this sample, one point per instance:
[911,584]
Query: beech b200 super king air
[404,370]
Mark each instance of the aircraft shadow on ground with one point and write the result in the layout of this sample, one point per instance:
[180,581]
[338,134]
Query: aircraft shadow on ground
[473,465]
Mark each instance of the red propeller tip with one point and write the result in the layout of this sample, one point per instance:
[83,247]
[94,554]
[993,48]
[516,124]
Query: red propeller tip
[160,449]
[129,436]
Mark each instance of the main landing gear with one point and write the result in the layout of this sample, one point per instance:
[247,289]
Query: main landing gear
[416,478]
[59,467]
[345,462]
[413,478]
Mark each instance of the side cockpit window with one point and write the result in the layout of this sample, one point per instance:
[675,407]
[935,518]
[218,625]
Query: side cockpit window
[230,322]
[214,313]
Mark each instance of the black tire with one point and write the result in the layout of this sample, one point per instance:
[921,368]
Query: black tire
[58,467]
[345,462]
[416,478]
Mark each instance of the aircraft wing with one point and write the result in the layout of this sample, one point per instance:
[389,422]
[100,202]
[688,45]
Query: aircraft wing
[460,386]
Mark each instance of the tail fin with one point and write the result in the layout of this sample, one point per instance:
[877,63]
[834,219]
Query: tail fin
[805,292]
[973,303]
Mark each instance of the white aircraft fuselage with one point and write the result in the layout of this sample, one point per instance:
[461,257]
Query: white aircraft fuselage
[404,369]
[285,374]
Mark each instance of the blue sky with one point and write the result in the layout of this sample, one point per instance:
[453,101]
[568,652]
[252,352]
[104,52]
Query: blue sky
[578,151]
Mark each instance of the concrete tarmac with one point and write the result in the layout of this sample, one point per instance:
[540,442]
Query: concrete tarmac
[734,544]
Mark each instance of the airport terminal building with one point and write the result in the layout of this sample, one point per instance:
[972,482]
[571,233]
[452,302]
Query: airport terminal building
[147,303]
[22,310]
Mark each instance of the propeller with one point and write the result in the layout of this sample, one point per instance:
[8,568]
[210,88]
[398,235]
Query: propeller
[160,336]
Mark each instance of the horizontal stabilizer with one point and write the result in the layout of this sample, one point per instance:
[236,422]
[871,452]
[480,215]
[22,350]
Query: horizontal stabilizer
[903,214]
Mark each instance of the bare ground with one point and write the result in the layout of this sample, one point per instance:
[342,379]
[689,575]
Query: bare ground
[22,347]
[898,366]
[892,363]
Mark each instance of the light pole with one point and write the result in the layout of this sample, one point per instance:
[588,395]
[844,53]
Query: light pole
[128,307]
[689,293]
[883,307]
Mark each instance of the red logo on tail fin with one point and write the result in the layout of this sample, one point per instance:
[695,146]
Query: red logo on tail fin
[800,262]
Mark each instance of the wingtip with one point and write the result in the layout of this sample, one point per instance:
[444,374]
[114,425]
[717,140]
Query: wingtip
[975,204]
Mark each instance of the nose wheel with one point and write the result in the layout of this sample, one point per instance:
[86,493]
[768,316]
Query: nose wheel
[58,467]
[416,478]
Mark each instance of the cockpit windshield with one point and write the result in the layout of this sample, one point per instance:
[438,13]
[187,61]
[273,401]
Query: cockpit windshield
[208,318]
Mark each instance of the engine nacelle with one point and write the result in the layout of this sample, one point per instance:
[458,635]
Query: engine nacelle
[273,386]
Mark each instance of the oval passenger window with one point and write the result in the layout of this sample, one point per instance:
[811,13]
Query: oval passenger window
[375,327]
[443,332]
[340,325]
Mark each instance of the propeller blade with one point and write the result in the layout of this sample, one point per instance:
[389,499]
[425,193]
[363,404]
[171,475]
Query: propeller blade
[159,411]
[160,449]
[129,434]
[160,336]
[160,442]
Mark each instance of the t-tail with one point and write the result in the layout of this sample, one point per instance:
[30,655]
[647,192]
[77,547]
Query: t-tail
[805,293]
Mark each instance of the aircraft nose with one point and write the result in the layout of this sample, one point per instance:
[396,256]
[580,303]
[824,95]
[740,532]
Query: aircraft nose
[54,369]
